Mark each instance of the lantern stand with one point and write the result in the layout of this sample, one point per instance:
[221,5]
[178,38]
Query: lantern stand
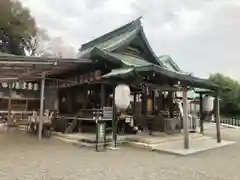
[121,101]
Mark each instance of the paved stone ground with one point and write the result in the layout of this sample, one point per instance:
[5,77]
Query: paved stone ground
[23,157]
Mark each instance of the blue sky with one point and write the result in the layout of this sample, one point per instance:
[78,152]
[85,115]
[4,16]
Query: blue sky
[202,36]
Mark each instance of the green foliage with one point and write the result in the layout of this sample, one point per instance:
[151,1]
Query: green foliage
[17,27]
[230,104]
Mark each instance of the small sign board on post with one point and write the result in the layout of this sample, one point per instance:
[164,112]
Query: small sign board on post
[100,130]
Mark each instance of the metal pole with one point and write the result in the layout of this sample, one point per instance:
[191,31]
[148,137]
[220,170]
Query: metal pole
[41,107]
[185,119]
[218,118]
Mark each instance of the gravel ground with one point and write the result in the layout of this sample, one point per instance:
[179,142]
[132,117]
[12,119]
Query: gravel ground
[23,157]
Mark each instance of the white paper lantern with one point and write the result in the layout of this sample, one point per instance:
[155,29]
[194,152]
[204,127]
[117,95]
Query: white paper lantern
[208,103]
[122,96]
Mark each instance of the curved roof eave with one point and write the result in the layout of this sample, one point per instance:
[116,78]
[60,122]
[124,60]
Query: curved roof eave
[142,34]
[128,27]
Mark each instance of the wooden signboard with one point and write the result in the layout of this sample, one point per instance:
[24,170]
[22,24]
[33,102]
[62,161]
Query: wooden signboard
[78,80]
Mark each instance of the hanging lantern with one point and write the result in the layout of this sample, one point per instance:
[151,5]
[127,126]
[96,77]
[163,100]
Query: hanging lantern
[30,86]
[4,85]
[18,86]
[35,87]
[122,96]
[24,85]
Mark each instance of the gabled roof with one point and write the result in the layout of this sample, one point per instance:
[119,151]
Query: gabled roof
[120,39]
[130,27]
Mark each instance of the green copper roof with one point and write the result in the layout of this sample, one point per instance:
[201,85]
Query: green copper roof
[120,39]
[169,63]
[130,61]
[184,79]
[124,61]
[106,37]
[111,44]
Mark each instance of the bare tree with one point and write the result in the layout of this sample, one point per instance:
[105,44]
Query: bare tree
[44,46]
[33,44]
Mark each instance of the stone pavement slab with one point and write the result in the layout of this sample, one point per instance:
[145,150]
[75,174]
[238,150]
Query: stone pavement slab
[196,145]
[157,138]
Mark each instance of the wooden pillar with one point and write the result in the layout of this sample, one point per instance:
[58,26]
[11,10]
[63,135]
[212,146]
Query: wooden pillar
[201,113]
[9,120]
[26,107]
[114,121]
[217,115]
[103,96]
[85,92]
[170,103]
[185,119]
[160,101]
[144,106]
[40,127]
[56,102]
[154,102]
[134,103]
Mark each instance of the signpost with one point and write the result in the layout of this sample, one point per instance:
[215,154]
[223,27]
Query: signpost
[100,130]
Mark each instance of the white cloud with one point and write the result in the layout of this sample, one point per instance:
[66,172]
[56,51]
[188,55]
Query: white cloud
[202,36]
